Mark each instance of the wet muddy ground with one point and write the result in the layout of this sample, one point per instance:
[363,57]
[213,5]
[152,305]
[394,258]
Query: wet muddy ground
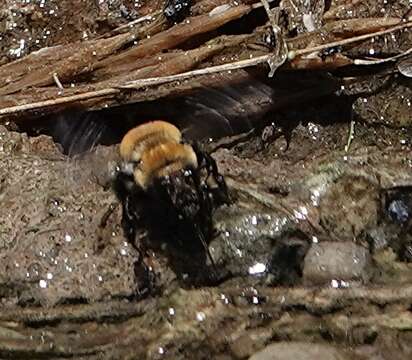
[313,257]
[315,249]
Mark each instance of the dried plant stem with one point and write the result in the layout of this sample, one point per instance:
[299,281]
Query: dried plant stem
[179,77]
[351,135]
[270,14]
[206,71]
[58,101]
[254,61]
[381,61]
[137,21]
[57,81]
[353,39]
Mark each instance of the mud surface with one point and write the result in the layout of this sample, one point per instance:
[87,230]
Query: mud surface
[314,249]
[27,26]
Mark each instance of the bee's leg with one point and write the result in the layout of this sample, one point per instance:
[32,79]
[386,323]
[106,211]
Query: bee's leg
[135,231]
[213,196]
[128,221]
[205,214]
[204,199]
[133,223]
[100,243]
[221,194]
[207,162]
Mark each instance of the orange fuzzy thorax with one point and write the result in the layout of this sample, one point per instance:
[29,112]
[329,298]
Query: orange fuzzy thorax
[163,160]
[147,136]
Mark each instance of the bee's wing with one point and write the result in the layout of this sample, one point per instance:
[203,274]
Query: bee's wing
[213,112]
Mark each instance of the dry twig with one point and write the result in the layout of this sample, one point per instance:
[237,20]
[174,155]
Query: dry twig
[113,88]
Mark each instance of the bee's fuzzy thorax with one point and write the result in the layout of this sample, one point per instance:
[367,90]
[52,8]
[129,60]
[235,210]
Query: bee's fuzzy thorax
[163,160]
[147,136]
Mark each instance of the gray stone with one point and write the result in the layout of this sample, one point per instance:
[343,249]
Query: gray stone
[299,351]
[336,263]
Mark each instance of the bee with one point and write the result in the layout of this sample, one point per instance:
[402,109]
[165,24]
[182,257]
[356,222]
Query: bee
[168,187]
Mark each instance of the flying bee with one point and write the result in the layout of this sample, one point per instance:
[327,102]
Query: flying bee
[168,187]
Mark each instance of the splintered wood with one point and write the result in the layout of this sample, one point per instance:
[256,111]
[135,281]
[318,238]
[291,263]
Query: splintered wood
[151,58]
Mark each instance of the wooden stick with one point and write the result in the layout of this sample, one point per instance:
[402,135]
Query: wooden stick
[352,40]
[255,61]
[382,61]
[210,70]
[58,101]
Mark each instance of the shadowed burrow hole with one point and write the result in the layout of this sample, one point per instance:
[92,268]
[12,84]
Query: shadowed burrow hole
[202,114]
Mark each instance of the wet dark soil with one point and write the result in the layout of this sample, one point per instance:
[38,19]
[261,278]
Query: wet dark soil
[28,26]
[314,249]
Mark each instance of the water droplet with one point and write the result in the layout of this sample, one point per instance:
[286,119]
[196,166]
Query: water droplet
[301,213]
[200,316]
[314,197]
[313,130]
[334,283]
[224,298]
[344,284]
[258,268]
